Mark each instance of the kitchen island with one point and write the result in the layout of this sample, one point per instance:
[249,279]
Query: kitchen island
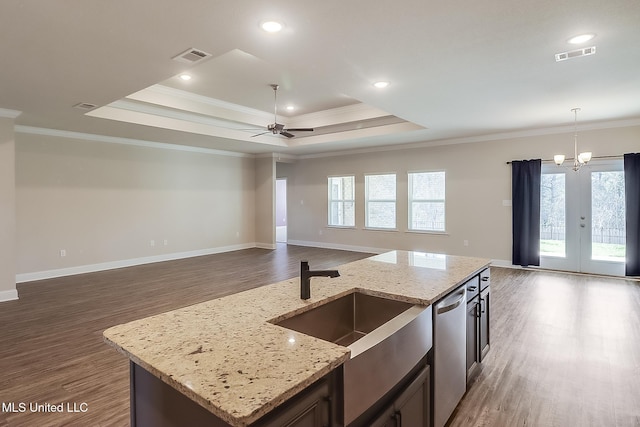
[229,357]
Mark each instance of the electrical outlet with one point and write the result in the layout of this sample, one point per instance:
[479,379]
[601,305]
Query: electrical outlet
[152,243]
[166,242]
[465,242]
[63,252]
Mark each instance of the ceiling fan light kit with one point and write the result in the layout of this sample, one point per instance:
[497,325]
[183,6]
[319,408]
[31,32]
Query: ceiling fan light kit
[278,128]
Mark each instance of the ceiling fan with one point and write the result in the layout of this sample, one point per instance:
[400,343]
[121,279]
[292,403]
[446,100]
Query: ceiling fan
[278,128]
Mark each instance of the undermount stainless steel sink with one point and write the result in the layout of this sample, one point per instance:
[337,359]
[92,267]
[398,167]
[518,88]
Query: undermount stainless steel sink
[386,337]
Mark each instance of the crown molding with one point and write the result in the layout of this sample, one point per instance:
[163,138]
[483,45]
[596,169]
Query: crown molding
[611,124]
[125,141]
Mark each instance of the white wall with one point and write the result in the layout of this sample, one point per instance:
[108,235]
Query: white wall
[478,180]
[7,211]
[104,203]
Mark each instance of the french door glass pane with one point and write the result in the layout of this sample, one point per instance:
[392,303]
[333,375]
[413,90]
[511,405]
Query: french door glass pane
[608,234]
[552,215]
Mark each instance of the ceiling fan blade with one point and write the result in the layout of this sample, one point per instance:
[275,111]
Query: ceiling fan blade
[287,134]
[300,130]
[258,134]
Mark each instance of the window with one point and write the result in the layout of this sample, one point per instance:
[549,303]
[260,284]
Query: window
[380,199]
[427,201]
[341,201]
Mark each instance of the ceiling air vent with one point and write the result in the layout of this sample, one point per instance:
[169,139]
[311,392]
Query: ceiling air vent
[191,56]
[575,53]
[85,106]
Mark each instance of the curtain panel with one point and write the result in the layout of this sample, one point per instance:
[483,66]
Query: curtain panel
[525,195]
[632,206]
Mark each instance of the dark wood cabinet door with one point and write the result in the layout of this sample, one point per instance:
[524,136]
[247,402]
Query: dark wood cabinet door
[310,409]
[412,407]
[485,316]
[473,338]
[388,418]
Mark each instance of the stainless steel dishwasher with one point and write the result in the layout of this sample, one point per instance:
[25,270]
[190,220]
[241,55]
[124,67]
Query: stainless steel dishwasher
[450,345]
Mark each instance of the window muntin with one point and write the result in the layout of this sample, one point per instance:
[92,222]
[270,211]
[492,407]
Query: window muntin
[341,201]
[380,201]
[427,201]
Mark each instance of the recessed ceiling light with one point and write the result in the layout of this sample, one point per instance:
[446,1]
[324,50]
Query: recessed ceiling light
[271,26]
[381,84]
[185,77]
[290,108]
[582,38]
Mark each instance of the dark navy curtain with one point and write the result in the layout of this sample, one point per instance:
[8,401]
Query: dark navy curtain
[632,206]
[525,196]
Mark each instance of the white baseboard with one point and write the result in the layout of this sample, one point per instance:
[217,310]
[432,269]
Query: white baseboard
[8,295]
[338,246]
[265,245]
[90,268]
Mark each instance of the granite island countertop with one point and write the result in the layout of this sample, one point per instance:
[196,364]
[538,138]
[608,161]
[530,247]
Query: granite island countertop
[226,356]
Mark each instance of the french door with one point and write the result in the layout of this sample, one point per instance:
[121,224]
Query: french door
[582,218]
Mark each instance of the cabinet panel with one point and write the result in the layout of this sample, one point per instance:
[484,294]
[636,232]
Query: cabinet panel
[386,419]
[473,338]
[412,407]
[485,315]
[310,409]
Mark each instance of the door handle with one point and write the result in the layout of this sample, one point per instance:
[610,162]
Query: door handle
[450,306]
[398,418]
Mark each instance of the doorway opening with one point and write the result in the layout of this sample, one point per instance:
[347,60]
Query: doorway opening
[281,210]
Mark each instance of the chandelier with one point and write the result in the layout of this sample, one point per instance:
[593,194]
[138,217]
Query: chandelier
[579,160]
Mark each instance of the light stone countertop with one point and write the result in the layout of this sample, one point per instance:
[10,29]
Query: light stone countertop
[226,356]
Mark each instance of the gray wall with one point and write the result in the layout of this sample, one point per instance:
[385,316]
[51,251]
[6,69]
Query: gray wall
[265,189]
[7,211]
[104,203]
[478,181]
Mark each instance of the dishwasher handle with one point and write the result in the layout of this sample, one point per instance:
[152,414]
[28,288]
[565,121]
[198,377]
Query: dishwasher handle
[445,305]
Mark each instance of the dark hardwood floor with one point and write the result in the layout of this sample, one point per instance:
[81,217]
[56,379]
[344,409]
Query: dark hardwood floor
[51,347]
[565,348]
[565,351]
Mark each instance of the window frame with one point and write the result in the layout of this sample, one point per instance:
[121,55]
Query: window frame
[331,200]
[411,200]
[394,201]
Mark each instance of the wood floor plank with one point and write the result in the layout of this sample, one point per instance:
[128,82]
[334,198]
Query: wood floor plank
[565,348]
[565,351]
[51,347]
